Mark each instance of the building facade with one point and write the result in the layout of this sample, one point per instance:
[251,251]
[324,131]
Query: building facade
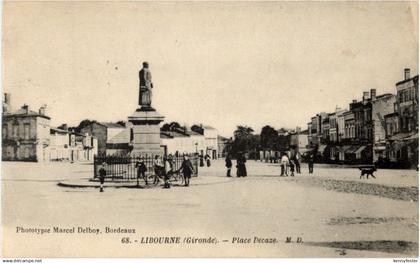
[25,135]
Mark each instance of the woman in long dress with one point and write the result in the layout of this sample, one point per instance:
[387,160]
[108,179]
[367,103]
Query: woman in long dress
[240,165]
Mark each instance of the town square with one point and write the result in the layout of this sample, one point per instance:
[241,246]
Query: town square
[210,129]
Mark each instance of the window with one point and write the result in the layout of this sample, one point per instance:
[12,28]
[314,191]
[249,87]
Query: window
[26,131]
[400,95]
[15,130]
[4,131]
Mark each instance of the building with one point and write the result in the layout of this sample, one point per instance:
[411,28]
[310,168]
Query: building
[103,132]
[183,141]
[223,146]
[299,141]
[381,106]
[59,144]
[210,135]
[68,145]
[402,137]
[25,134]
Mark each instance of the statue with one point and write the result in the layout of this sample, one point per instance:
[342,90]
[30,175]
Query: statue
[146,85]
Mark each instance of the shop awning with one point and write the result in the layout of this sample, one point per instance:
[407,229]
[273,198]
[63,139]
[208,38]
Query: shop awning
[359,151]
[352,149]
[321,148]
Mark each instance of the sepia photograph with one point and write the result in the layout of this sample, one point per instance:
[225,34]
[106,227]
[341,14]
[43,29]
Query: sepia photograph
[210,129]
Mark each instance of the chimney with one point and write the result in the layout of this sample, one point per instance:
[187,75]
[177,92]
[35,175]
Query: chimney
[354,101]
[26,108]
[406,73]
[64,127]
[373,94]
[365,95]
[42,110]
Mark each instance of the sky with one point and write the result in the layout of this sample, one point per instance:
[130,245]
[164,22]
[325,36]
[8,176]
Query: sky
[218,63]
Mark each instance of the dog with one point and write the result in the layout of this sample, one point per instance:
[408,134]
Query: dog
[367,171]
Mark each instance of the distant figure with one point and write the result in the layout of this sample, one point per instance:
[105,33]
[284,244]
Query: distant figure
[146,85]
[292,167]
[168,172]
[240,165]
[187,169]
[228,164]
[201,161]
[284,162]
[208,160]
[158,167]
[297,162]
[102,175]
[141,171]
[311,163]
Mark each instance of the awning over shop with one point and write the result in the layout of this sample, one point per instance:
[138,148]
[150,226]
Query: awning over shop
[359,151]
[321,148]
[352,149]
[342,149]
[412,137]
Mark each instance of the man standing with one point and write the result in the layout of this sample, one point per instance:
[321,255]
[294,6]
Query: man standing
[228,164]
[297,163]
[311,163]
[141,171]
[102,175]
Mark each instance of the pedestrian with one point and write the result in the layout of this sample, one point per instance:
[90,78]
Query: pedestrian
[201,160]
[208,160]
[187,170]
[297,163]
[228,164]
[168,172]
[284,162]
[141,171]
[240,165]
[102,175]
[292,167]
[311,163]
[158,167]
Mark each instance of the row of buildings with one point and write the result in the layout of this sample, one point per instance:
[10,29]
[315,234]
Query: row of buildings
[28,136]
[199,139]
[378,128]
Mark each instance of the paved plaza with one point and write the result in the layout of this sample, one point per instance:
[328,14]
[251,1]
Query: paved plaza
[335,213]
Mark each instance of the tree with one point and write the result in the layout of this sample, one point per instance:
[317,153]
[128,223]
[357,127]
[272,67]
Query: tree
[83,124]
[170,126]
[122,123]
[244,140]
[268,138]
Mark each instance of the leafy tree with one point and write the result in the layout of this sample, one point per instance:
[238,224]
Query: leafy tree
[268,138]
[170,126]
[244,140]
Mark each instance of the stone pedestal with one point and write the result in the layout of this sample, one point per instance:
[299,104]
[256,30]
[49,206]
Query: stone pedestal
[146,132]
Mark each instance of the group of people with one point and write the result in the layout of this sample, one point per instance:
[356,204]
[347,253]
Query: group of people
[162,169]
[167,169]
[205,158]
[293,164]
[240,165]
